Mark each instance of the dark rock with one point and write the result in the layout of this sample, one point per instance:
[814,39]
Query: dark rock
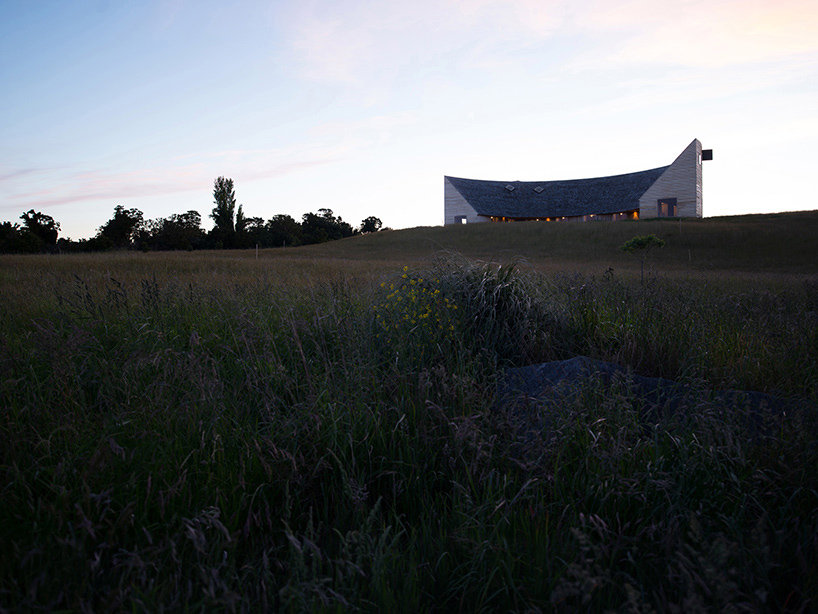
[555,383]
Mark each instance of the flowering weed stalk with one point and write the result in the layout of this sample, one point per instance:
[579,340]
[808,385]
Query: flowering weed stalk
[415,318]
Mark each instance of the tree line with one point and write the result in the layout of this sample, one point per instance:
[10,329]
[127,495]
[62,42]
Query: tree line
[232,229]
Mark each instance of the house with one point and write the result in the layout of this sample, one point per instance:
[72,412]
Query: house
[668,191]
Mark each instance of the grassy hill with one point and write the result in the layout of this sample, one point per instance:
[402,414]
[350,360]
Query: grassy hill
[781,242]
[739,250]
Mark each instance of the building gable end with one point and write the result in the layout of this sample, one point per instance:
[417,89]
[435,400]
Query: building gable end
[681,181]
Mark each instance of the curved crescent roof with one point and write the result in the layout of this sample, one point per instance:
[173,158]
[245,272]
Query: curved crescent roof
[532,199]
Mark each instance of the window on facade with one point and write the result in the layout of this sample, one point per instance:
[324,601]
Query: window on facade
[460,219]
[666,207]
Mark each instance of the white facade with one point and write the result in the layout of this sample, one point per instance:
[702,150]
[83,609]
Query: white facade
[677,192]
[681,182]
[456,209]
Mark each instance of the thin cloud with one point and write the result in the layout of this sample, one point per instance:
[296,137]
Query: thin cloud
[355,42]
[88,186]
[685,86]
[12,174]
[361,42]
[373,130]
[705,33]
[102,185]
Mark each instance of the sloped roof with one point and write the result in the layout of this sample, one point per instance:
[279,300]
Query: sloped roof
[532,199]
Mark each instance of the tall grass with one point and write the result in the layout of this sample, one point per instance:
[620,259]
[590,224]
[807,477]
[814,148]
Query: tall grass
[175,444]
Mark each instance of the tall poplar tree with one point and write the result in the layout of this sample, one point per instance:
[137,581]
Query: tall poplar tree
[223,214]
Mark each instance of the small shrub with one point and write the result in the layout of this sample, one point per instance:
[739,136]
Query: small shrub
[504,314]
[639,247]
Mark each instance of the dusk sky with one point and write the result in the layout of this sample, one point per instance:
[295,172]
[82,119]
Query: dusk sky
[363,107]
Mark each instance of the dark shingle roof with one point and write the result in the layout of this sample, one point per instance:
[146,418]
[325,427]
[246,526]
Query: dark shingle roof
[531,199]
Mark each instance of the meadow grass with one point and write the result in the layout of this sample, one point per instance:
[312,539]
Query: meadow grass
[299,432]
[741,246]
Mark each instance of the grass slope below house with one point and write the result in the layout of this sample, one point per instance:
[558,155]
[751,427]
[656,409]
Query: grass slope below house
[775,243]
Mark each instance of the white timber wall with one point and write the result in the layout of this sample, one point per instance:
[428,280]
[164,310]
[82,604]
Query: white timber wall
[682,181]
[455,206]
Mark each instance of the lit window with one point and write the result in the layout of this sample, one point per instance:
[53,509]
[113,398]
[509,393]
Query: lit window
[666,207]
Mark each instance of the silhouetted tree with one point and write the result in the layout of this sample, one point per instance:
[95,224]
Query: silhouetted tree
[180,231]
[224,213]
[99,243]
[323,227]
[122,229]
[42,226]
[283,231]
[8,235]
[371,224]
[241,221]
[254,232]
[14,240]
[241,239]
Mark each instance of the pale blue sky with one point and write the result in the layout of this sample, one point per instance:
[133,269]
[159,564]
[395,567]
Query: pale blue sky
[364,106]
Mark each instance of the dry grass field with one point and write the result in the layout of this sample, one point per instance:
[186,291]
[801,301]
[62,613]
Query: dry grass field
[317,429]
